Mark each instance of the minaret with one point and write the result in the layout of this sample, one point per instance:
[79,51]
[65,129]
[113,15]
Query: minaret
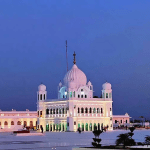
[42,93]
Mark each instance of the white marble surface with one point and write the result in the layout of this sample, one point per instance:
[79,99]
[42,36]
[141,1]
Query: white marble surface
[62,140]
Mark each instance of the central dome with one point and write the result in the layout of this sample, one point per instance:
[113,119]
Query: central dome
[75,78]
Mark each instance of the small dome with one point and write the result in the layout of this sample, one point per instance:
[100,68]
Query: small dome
[75,77]
[42,87]
[106,86]
[89,83]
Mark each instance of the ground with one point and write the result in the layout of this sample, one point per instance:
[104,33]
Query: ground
[62,140]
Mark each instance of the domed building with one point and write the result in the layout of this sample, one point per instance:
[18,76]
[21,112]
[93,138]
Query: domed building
[75,106]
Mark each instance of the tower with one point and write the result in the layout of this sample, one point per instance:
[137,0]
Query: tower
[42,93]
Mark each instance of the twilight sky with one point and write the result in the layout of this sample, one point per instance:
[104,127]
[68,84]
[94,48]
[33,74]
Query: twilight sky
[111,40]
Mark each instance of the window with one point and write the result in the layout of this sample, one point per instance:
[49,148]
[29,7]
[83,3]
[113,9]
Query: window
[74,122]
[101,110]
[106,95]
[38,113]
[44,96]
[94,110]
[109,95]
[0,123]
[68,124]
[38,96]
[63,96]
[63,110]
[86,110]
[103,95]
[57,111]
[110,109]
[98,111]
[5,123]
[47,111]
[121,121]
[41,97]
[53,111]
[31,123]
[78,110]
[90,110]
[90,87]
[85,96]
[12,122]
[81,96]
[82,110]
[70,94]
[126,121]
[78,96]
[81,90]
[19,123]
[116,121]
[74,94]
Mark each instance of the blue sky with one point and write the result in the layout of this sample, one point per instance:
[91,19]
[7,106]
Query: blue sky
[111,40]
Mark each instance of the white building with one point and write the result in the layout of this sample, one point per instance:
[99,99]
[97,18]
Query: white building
[75,106]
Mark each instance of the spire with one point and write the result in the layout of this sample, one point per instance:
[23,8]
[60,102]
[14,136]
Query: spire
[74,60]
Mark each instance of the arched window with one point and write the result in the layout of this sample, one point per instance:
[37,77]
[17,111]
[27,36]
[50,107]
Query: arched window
[101,110]
[90,110]
[78,96]
[63,110]
[19,123]
[44,96]
[74,94]
[94,110]
[81,96]
[31,123]
[57,111]
[53,111]
[5,123]
[86,110]
[85,96]
[78,110]
[90,87]
[12,122]
[38,96]
[98,111]
[41,97]
[106,95]
[47,111]
[82,110]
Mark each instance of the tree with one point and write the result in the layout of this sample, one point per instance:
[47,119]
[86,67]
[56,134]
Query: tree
[97,140]
[147,140]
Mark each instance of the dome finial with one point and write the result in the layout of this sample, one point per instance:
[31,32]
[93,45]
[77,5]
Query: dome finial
[74,60]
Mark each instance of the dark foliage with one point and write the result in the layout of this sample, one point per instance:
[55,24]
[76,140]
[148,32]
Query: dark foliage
[96,139]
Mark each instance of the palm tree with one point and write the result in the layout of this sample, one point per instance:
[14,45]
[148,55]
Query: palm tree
[142,119]
[122,139]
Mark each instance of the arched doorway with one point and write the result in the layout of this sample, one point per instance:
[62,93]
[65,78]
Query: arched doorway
[47,127]
[82,126]
[95,127]
[86,127]
[98,126]
[60,127]
[90,126]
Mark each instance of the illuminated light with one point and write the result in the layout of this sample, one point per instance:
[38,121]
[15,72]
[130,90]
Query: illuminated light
[65,93]
[82,93]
